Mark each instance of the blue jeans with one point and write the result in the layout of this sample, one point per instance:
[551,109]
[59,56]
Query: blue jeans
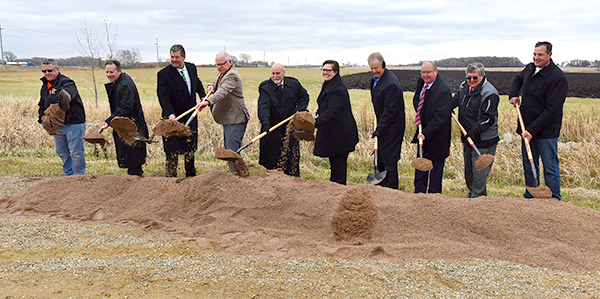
[547,149]
[233,135]
[69,148]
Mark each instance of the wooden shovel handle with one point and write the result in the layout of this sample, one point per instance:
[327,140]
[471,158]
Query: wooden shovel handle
[192,109]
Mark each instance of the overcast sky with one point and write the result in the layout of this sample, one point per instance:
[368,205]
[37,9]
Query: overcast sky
[307,31]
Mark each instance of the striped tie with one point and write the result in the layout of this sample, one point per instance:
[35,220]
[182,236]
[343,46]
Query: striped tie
[420,106]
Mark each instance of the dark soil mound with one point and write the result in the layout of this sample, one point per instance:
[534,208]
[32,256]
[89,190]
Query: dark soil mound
[581,85]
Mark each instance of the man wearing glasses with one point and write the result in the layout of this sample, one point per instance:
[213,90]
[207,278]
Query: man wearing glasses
[61,108]
[227,103]
[477,100]
[432,102]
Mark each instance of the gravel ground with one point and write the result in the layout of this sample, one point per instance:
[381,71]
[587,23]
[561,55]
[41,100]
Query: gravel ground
[46,258]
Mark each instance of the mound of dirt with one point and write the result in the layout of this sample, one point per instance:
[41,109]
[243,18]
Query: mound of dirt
[582,85]
[274,215]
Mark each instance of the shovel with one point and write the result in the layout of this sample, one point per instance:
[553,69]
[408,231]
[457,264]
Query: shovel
[536,190]
[238,162]
[421,163]
[187,124]
[483,160]
[377,177]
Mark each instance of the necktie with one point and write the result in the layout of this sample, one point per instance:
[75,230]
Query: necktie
[470,89]
[420,105]
[183,75]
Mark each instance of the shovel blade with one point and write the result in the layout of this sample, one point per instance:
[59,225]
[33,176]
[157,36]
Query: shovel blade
[376,178]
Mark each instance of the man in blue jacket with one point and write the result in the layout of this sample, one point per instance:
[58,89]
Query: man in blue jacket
[543,88]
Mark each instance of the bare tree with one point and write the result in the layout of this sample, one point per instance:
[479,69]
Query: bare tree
[245,58]
[9,56]
[111,38]
[129,58]
[88,46]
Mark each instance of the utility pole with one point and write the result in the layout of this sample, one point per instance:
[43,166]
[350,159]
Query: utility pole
[157,56]
[1,46]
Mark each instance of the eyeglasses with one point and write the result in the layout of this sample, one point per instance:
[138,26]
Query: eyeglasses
[327,70]
[48,71]
[474,78]
[223,63]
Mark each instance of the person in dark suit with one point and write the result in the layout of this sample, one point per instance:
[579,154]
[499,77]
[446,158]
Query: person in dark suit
[337,134]
[124,101]
[543,88]
[279,98]
[388,103]
[177,87]
[432,102]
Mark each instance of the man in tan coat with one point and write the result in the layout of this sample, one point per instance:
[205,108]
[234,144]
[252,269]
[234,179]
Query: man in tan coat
[227,102]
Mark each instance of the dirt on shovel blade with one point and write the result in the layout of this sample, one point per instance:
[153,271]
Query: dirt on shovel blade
[239,165]
[422,164]
[540,192]
[303,135]
[95,138]
[171,127]
[303,121]
[484,161]
[125,128]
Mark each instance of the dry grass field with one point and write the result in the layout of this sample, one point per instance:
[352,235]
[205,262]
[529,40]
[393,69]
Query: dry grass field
[27,151]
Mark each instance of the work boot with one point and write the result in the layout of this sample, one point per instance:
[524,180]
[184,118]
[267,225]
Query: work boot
[64,100]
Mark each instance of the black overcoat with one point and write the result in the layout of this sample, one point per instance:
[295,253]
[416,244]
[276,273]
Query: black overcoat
[388,103]
[435,119]
[336,127]
[175,99]
[274,105]
[124,101]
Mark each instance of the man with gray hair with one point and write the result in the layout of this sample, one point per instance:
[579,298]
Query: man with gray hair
[388,103]
[227,103]
[477,100]
[62,114]
[279,98]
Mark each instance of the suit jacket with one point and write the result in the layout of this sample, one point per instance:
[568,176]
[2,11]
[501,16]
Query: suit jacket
[336,127]
[435,119]
[175,98]
[227,102]
[274,105]
[388,103]
[544,95]
[124,101]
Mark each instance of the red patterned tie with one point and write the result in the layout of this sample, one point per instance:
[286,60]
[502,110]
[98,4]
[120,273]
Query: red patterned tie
[420,106]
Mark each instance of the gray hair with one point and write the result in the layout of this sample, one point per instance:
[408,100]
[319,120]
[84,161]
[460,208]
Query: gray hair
[178,48]
[227,56]
[432,63]
[475,67]
[51,61]
[375,55]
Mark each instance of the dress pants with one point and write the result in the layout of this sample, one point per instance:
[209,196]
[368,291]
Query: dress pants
[433,178]
[339,168]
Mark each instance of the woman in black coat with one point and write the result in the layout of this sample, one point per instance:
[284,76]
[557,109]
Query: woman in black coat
[337,134]
[124,101]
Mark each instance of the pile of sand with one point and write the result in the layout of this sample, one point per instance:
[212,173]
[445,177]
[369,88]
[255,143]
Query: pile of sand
[274,215]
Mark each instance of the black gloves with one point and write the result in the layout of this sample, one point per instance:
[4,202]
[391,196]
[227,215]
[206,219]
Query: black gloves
[375,134]
[264,128]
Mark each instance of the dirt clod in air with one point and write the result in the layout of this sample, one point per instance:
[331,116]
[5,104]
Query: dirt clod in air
[239,165]
[53,116]
[125,128]
[422,164]
[484,161]
[355,217]
[171,127]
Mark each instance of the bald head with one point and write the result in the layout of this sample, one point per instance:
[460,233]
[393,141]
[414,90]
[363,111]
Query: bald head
[277,73]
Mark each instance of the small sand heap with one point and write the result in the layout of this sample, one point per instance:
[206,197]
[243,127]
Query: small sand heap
[125,128]
[171,127]
[355,217]
[239,165]
[484,161]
